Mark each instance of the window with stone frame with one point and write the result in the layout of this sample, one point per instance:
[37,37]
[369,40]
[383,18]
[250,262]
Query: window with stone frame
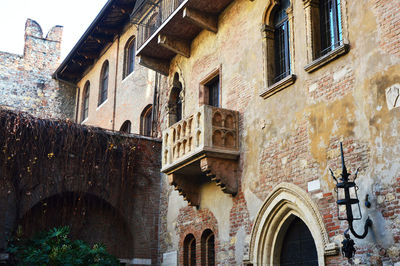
[103,90]
[208,248]
[189,250]
[278,47]
[210,89]
[129,56]
[326,32]
[85,101]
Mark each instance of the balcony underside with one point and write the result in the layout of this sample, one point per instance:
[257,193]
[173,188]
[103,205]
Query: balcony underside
[189,175]
[176,33]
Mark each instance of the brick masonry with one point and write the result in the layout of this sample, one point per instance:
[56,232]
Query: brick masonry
[25,80]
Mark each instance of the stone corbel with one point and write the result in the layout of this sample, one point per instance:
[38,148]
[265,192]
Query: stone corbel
[223,172]
[188,190]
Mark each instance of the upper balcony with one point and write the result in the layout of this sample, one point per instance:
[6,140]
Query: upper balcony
[167,28]
[201,148]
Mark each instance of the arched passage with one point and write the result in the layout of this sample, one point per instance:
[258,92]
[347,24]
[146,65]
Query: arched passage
[286,203]
[89,217]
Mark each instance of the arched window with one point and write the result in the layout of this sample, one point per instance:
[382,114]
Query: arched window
[278,46]
[189,250]
[281,41]
[175,102]
[85,101]
[103,92]
[145,121]
[126,127]
[208,248]
[129,58]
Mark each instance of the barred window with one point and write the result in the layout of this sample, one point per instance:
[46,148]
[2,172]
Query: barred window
[281,39]
[331,28]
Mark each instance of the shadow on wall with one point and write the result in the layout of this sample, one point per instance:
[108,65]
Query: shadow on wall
[90,218]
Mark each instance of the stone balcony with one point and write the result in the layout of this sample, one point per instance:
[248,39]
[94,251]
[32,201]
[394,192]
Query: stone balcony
[201,148]
[167,28]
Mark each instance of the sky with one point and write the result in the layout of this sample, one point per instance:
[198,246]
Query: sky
[74,15]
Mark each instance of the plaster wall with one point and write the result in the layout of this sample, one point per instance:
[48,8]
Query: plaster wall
[293,135]
[133,93]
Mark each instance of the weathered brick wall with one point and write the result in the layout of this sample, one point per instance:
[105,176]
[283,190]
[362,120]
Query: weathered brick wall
[293,136]
[25,80]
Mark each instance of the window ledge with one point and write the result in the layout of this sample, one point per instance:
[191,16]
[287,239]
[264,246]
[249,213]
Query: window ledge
[84,121]
[101,105]
[278,86]
[323,60]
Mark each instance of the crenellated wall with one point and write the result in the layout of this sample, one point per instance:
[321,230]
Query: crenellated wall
[25,80]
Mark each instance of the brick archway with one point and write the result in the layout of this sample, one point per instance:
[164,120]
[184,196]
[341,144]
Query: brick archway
[89,217]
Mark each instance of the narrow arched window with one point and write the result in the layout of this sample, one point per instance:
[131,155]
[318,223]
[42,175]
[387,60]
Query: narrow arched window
[145,121]
[281,41]
[103,92]
[189,250]
[126,127]
[85,101]
[129,59]
[208,248]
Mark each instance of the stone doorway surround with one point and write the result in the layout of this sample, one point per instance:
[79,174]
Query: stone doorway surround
[284,202]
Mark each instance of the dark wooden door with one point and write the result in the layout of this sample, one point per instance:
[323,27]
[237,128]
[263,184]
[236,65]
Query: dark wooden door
[298,246]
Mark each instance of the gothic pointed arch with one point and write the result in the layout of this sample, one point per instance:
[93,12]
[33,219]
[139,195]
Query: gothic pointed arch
[175,101]
[284,204]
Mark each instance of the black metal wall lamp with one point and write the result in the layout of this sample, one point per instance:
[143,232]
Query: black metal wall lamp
[348,207]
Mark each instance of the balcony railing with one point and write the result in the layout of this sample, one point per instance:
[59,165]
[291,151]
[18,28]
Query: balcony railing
[155,18]
[210,130]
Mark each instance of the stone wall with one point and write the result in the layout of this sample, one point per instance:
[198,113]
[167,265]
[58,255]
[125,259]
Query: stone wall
[25,80]
[293,135]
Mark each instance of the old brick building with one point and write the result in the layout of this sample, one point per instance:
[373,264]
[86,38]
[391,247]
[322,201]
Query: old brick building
[258,96]
[25,80]
[251,100]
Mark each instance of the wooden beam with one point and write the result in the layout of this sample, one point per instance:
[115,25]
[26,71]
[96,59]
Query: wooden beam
[175,45]
[158,65]
[202,19]
[88,55]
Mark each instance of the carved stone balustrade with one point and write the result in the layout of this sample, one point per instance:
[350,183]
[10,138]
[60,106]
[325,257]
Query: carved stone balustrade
[201,148]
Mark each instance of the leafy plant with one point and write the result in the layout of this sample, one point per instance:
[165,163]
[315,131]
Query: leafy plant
[55,248]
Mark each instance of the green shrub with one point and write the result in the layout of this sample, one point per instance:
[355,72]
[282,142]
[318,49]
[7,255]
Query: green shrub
[55,248]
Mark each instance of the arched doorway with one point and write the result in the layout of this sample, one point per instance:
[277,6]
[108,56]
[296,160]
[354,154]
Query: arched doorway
[89,217]
[285,211]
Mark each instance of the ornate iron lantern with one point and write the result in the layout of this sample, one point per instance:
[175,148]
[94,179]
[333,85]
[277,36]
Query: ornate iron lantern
[348,206]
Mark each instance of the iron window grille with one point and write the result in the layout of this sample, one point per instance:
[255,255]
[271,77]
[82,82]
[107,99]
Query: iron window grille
[331,25]
[281,39]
